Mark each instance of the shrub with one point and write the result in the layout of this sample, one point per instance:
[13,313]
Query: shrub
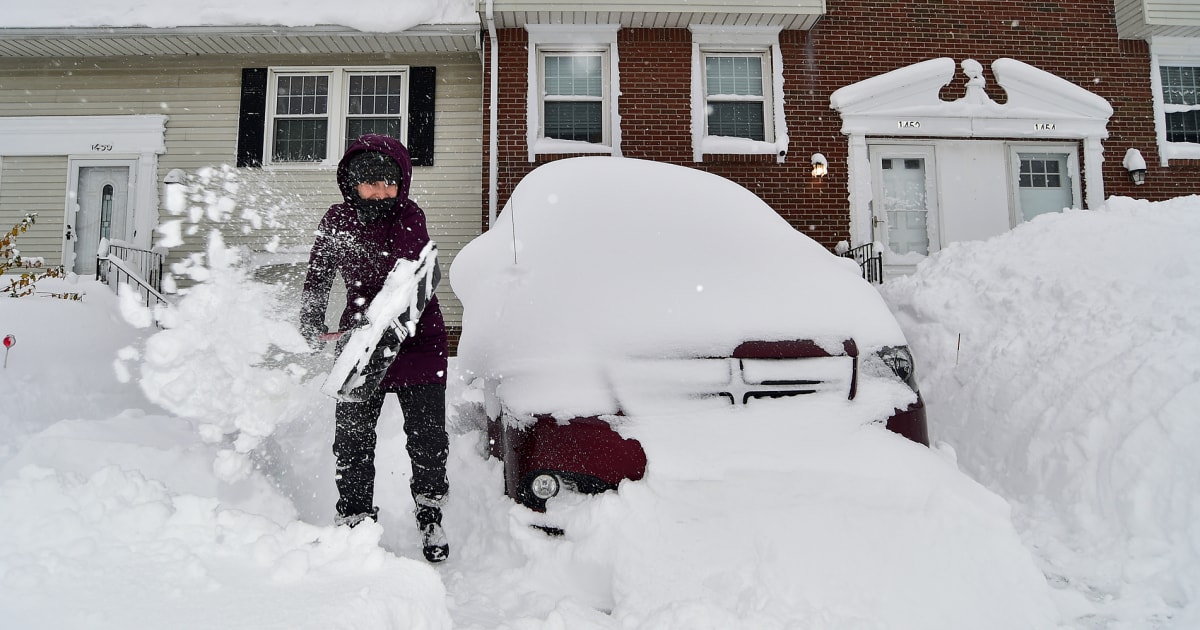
[10,258]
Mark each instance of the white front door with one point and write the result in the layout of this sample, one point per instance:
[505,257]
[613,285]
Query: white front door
[904,208]
[1044,182]
[103,212]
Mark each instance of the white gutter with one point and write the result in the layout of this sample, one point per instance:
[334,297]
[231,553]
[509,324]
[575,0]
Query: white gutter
[493,127]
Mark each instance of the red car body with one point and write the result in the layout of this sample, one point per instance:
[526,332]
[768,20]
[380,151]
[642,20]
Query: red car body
[586,454]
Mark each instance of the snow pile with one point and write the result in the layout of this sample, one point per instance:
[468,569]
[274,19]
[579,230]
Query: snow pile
[1072,396]
[1060,361]
[118,550]
[36,385]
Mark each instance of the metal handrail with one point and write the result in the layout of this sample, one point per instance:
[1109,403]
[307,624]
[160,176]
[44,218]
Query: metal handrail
[140,268]
[870,262]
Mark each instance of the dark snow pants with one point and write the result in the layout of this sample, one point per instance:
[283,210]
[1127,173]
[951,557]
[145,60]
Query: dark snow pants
[424,408]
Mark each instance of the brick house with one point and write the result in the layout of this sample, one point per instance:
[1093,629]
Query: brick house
[937,121]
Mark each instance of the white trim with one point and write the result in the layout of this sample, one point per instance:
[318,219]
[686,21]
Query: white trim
[1015,214]
[101,136]
[708,39]
[926,150]
[135,140]
[1170,50]
[143,193]
[905,104]
[337,108]
[74,166]
[600,38]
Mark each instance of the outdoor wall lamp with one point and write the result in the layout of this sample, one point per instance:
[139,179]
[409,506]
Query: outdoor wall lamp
[1136,165]
[820,165]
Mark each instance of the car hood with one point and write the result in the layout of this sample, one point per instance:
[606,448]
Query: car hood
[600,259]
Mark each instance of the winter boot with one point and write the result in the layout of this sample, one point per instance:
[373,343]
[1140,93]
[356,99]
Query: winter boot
[429,522]
[433,542]
[350,520]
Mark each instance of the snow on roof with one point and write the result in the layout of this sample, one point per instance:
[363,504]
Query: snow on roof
[375,16]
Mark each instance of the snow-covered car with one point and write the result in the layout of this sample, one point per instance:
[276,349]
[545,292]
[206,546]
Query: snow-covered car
[613,291]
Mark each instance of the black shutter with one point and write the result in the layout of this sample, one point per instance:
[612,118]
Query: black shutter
[422,84]
[252,117]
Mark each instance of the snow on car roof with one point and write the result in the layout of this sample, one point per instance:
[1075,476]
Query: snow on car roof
[601,257]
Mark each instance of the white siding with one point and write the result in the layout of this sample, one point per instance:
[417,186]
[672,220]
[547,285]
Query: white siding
[1140,19]
[201,96]
[1173,12]
[35,184]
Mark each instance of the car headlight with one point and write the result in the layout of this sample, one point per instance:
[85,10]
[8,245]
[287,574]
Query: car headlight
[544,486]
[899,360]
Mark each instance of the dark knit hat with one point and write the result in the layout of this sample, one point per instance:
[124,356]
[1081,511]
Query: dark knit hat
[370,167]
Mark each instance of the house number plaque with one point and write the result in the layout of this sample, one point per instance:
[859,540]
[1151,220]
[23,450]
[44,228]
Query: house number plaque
[102,148]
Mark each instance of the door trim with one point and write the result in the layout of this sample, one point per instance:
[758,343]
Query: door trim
[1014,170]
[877,151]
[72,202]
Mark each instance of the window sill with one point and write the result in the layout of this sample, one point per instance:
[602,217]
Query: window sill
[725,149]
[1178,151]
[544,147]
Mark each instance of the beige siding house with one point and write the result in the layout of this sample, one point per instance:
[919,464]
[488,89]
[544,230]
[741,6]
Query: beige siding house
[94,121]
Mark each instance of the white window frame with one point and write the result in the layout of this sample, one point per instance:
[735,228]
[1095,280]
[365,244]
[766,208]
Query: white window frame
[573,39]
[1171,51]
[339,99]
[717,40]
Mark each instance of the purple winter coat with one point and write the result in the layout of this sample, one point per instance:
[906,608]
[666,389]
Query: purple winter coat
[364,254]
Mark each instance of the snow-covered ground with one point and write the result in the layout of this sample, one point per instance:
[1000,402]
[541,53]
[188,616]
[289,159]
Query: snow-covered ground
[182,477]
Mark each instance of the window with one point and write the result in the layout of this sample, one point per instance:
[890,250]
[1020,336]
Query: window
[734,88]
[1182,109]
[1045,179]
[736,85]
[1040,172]
[1176,83]
[572,88]
[573,101]
[314,114]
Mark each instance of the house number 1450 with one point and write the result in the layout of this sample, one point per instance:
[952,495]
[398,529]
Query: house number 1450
[102,147]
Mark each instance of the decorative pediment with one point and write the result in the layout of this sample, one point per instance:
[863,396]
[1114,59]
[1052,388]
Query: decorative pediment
[906,102]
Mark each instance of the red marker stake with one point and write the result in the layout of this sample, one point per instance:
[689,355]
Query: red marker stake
[9,341]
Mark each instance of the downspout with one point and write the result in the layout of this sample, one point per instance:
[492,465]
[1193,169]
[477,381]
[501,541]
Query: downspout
[493,126]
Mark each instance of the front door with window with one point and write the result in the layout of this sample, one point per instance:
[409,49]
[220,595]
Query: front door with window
[103,213]
[1044,184]
[904,209]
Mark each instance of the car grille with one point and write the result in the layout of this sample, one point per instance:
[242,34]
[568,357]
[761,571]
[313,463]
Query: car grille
[764,371]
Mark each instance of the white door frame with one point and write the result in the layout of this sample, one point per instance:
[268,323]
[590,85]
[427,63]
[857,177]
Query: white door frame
[1014,169]
[933,216]
[74,167]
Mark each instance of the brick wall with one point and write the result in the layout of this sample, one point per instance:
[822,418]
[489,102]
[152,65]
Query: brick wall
[855,40]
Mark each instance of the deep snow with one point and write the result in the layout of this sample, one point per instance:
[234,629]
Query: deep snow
[1071,393]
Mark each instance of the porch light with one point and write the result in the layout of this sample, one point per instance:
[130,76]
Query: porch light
[820,165]
[1136,165]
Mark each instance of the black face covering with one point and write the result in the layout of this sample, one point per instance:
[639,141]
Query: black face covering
[371,210]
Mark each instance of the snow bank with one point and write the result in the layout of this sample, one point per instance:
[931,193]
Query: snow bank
[1060,361]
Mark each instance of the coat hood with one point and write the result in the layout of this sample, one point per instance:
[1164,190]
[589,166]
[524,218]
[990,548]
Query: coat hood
[386,145]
